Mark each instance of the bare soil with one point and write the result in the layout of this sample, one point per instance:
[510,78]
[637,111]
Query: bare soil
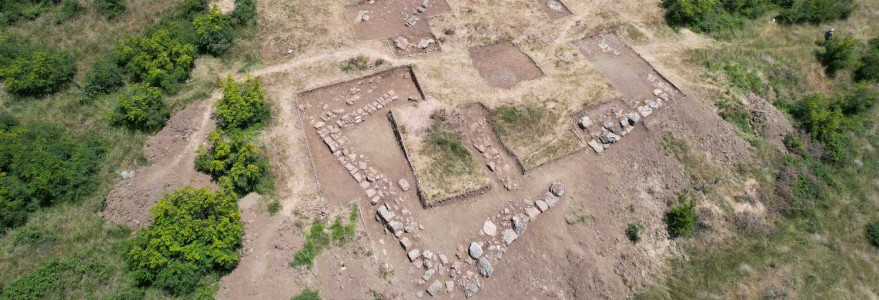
[171,154]
[387,18]
[503,65]
[554,9]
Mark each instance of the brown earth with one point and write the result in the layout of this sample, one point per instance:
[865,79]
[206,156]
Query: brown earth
[503,65]
[171,154]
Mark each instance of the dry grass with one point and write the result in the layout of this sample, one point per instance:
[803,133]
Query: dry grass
[442,170]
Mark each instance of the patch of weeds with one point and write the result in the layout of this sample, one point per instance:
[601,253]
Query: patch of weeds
[32,236]
[681,220]
[633,232]
[386,273]
[307,294]
[794,144]
[379,62]
[734,112]
[358,63]
[317,239]
[274,207]
[872,232]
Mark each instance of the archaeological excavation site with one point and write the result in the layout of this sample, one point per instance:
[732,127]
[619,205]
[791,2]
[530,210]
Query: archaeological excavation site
[439,149]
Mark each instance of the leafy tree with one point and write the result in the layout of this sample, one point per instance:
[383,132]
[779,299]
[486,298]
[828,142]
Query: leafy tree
[869,66]
[142,108]
[193,232]
[39,73]
[214,31]
[233,160]
[157,59]
[111,8]
[12,11]
[815,11]
[243,105]
[103,78]
[191,8]
[41,165]
[244,13]
[862,99]
[838,54]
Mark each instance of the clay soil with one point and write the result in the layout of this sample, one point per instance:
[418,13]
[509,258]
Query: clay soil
[552,13]
[503,65]
[171,154]
[387,18]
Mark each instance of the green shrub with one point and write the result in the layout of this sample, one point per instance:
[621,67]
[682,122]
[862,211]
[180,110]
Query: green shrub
[42,165]
[12,11]
[214,31]
[55,278]
[192,8]
[700,15]
[141,108]
[12,47]
[233,160]
[794,144]
[815,11]
[315,241]
[307,294]
[69,10]
[243,105]
[868,70]
[157,59]
[33,236]
[872,232]
[633,232]
[735,113]
[861,100]
[103,78]
[825,124]
[127,293]
[111,8]
[274,207]
[193,232]
[358,63]
[681,220]
[39,73]
[838,54]
[244,13]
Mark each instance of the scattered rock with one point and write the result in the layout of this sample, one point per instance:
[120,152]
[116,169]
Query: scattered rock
[489,228]
[434,288]
[484,267]
[401,43]
[428,274]
[475,250]
[406,243]
[450,286]
[633,118]
[557,188]
[404,185]
[585,122]
[596,146]
[519,224]
[470,286]
[532,212]
[443,259]
[554,5]
[414,254]
[509,236]
[609,137]
[425,43]
[541,205]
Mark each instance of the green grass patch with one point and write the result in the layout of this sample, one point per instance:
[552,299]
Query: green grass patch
[317,238]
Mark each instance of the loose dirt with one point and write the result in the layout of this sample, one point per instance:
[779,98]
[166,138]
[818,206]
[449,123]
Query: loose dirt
[388,18]
[171,154]
[554,9]
[503,65]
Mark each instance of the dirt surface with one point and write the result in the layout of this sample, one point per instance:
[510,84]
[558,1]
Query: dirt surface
[554,9]
[503,65]
[388,18]
[171,154]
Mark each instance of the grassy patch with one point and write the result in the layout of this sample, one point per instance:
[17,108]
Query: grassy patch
[307,294]
[317,238]
[444,164]
[535,134]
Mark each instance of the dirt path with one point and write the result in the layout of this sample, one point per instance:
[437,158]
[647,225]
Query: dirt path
[171,154]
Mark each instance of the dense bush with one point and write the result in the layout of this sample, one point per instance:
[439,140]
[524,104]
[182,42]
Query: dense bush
[861,100]
[838,54]
[307,294]
[872,232]
[633,232]
[244,13]
[156,58]
[815,11]
[681,220]
[825,123]
[55,278]
[104,77]
[869,66]
[243,105]
[42,165]
[38,73]
[111,8]
[12,11]
[233,160]
[214,31]
[192,8]
[69,10]
[700,15]
[193,232]
[141,108]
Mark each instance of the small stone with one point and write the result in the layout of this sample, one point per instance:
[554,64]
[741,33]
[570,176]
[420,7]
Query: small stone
[434,288]
[428,274]
[554,5]
[491,166]
[475,250]
[450,286]
[427,254]
[401,43]
[585,122]
[557,188]
[406,243]
[318,125]
[657,92]
[609,137]
[484,267]
[633,118]
[519,224]
[541,205]
[414,254]
[365,17]
[370,193]
[425,43]
[374,200]
[596,146]
[532,212]
[404,184]
[550,199]
[443,259]
[489,228]
[395,226]
[509,236]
